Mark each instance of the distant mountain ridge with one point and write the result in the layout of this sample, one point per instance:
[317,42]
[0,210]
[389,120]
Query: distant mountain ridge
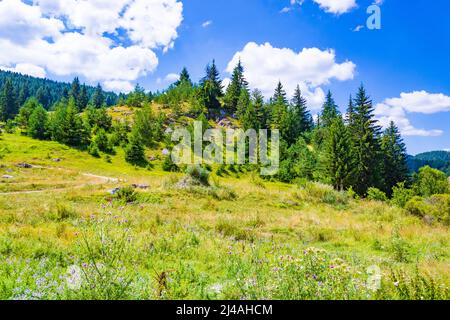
[436,159]
[46,90]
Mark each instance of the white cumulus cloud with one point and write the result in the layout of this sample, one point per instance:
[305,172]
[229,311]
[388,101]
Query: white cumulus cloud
[111,41]
[311,68]
[396,109]
[336,6]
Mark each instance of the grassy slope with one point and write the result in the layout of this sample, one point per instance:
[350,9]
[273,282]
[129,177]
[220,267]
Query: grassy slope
[194,234]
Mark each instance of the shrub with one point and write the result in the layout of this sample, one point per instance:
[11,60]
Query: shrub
[169,166]
[127,194]
[93,150]
[198,174]
[430,181]
[416,207]
[376,195]
[401,195]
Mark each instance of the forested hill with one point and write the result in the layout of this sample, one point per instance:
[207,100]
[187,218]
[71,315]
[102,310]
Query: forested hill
[435,159]
[46,91]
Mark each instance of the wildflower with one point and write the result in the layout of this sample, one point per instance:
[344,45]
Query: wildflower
[396,284]
[73,277]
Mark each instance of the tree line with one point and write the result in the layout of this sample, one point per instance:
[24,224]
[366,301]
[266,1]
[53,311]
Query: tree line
[349,151]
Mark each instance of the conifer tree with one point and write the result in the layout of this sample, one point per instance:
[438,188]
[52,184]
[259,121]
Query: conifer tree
[212,89]
[38,123]
[8,102]
[330,111]
[338,159]
[83,98]
[279,94]
[300,118]
[135,150]
[74,131]
[237,85]
[366,149]
[75,92]
[350,114]
[395,167]
[24,93]
[98,98]
[185,78]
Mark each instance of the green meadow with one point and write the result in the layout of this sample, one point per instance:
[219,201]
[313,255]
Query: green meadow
[64,235]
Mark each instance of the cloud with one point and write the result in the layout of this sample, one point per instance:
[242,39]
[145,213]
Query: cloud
[311,68]
[168,79]
[27,69]
[336,6]
[111,41]
[396,109]
[358,28]
[207,24]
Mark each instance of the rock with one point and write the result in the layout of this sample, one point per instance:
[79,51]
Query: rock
[24,165]
[114,191]
[57,160]
[152,158]
[7,177]
[429,220]
[140,186]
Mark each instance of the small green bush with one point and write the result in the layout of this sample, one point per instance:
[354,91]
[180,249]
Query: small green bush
[127,194]
[376,195]
[198,174]
[401,195]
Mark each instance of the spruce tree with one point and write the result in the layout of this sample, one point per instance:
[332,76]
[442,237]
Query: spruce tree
[301,120]
[212,90]
[75,92]
[338,159]
[74,131]
[350,114]
[365,135]
[38,123]
[185,78]
[83,98]
[135,150]
[8,102]
[24,93]
[330,111]
[395,167]
[237,85]
[26,110]
[279,94]
[98,98]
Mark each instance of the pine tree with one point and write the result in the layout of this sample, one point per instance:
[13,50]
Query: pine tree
[43,96]
[83,98]
[330,111]
[185,78]
[237,85]
[338,159]
[98,98]
[243,102]
[365,136]
[255,116]
[301,120]
[395,167]
[75,92]
[73,126]
[212,90]
[135,150]
[8,102]
[279,94]
[24,94]
[350,115]
[38,123]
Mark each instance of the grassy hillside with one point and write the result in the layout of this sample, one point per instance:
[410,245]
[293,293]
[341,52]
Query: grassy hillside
[64,235]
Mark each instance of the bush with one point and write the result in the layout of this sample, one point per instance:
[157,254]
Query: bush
[437,206]
[127,194]
[430,181]
[401,195]
[169,166]
[198,174]
[376,195]
[93,150]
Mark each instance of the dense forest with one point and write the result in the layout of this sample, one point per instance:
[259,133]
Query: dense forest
[348,151]
[436,159]
[46,91]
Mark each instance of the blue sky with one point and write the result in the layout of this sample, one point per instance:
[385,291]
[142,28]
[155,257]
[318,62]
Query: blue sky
[404,66]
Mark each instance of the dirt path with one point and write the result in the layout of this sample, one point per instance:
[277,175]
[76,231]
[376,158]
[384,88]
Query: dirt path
[98,181]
